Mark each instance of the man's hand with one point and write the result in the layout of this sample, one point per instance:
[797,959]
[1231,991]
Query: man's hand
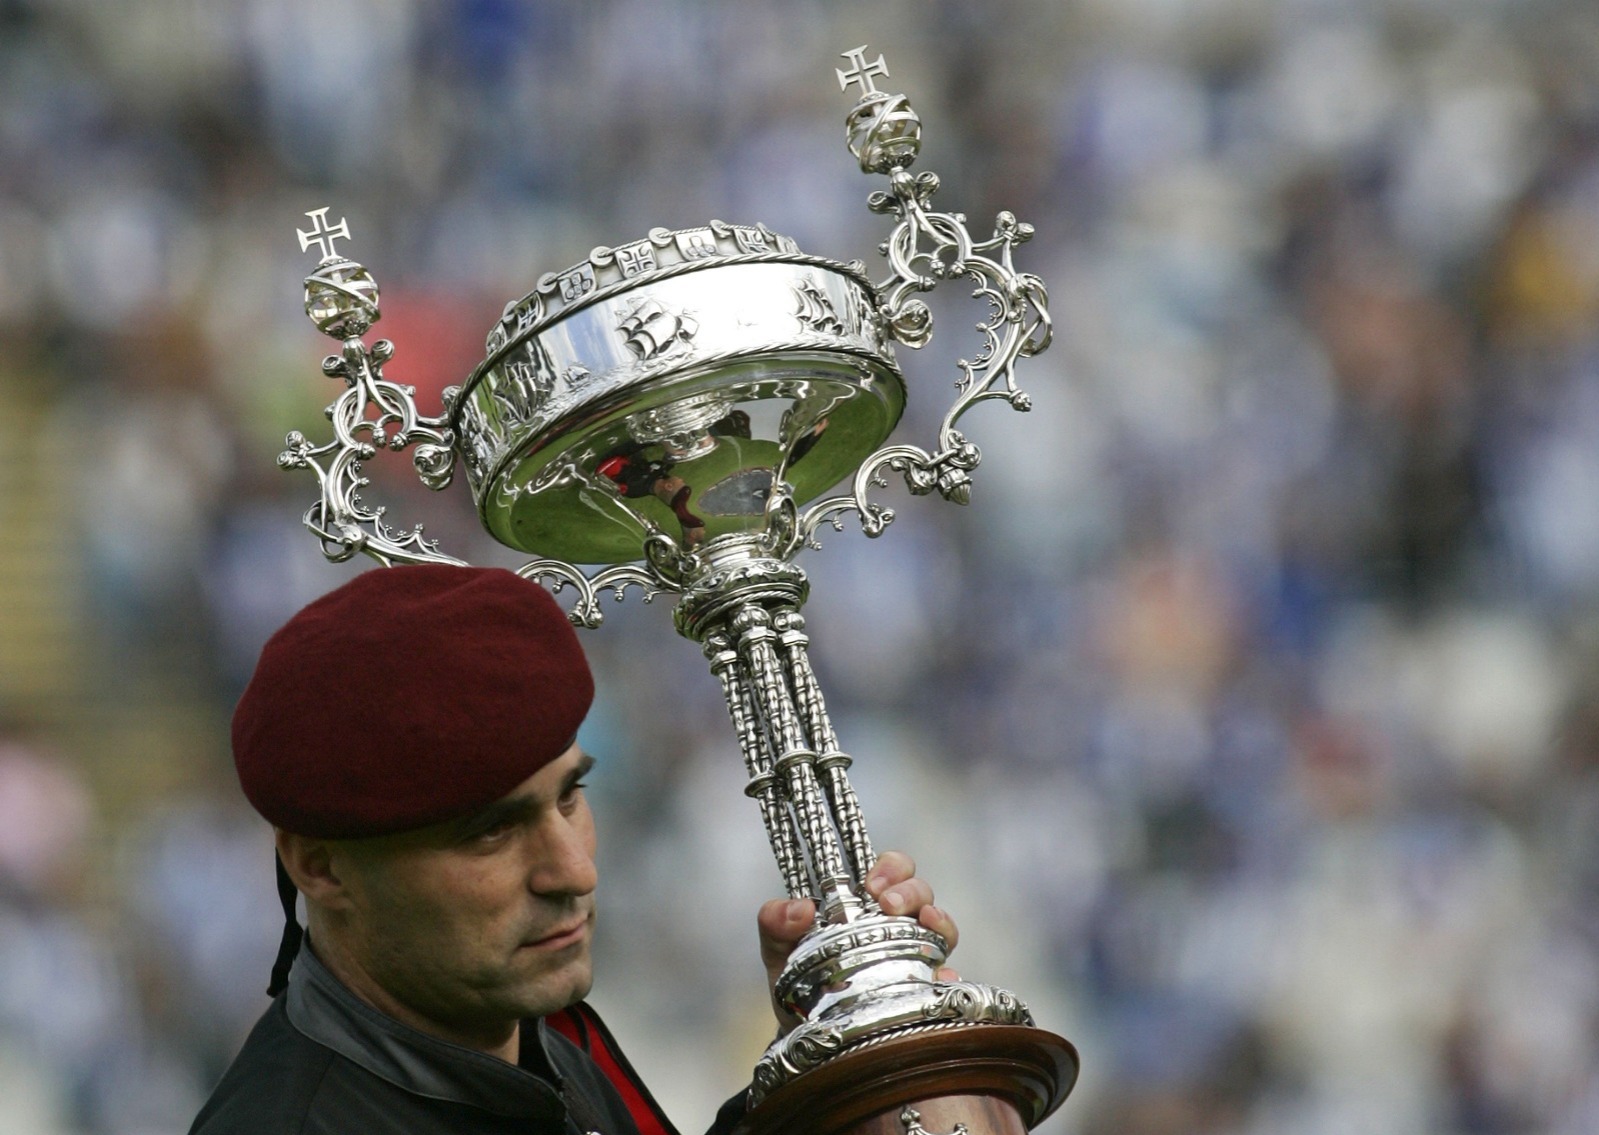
[892,882]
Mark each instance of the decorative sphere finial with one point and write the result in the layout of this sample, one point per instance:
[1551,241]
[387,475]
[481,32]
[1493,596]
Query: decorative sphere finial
[341,297]
[884,133]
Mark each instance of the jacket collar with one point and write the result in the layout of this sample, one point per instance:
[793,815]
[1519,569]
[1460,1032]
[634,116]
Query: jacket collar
[324,1010]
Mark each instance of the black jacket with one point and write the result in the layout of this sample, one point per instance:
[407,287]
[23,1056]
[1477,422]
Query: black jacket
[323,1062]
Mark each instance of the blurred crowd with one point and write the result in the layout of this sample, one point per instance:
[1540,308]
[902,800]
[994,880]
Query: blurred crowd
[1248,718]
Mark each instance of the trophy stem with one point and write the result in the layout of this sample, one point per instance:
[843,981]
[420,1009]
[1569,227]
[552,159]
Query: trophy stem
[743,607]
[836,888]
[865,985]
[753,741]
[832,762]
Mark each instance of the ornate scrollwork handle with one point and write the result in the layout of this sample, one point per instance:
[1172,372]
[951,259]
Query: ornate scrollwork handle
[373,414]
[925,248]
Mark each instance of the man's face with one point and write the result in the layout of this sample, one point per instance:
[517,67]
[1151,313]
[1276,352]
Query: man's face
[475,923]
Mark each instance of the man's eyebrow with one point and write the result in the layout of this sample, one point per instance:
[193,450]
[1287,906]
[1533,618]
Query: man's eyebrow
[517,808]
[493,815]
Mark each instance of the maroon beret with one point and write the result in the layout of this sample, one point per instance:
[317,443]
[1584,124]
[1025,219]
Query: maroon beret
[408,696]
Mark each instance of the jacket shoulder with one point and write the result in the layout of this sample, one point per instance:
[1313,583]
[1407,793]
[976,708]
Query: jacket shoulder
[268,1088]
[284,1083]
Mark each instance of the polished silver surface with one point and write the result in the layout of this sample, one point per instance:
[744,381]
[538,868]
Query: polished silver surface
[679,408]
[673,401]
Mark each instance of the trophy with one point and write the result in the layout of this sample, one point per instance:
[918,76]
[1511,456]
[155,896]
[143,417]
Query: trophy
[670,415]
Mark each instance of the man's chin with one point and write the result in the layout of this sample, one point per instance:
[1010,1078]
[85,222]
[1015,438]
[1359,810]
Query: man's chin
[554,991]
[580,990]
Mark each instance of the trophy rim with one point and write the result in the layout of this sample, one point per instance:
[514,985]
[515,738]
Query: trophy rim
[855,270]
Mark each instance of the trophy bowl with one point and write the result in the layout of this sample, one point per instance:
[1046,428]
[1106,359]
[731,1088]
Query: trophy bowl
[667,385]
[674,412]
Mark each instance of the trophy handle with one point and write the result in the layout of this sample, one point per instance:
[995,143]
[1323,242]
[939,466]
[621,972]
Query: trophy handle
[373,414]
[362,418]
[924,248]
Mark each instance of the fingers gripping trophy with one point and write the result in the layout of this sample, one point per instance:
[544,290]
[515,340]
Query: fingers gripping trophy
[673,412]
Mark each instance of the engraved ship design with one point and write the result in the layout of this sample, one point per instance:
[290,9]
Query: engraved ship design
[649,330]
[816,311]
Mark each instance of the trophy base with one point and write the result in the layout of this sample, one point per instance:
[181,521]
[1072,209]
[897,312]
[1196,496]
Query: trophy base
[993,1079]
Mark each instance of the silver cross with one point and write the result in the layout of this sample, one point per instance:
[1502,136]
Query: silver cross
[861,71]
[321,234]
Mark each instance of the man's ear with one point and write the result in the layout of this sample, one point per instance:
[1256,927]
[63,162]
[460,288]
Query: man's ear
[309,863]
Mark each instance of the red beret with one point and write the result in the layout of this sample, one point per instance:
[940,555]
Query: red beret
[408,696]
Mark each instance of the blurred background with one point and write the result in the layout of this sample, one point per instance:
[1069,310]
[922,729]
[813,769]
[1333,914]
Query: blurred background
[1248,719]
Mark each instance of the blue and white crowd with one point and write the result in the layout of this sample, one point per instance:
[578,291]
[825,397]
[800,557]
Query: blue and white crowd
[1248,718]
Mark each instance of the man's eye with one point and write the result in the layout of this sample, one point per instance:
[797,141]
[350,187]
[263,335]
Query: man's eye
[569,797]
[496,834]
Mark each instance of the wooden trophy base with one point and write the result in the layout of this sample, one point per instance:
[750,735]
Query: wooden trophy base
[994,1079]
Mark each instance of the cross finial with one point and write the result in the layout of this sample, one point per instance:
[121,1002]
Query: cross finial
[321,234]
[861,71]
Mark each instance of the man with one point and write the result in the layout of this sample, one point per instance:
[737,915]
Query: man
[411,736]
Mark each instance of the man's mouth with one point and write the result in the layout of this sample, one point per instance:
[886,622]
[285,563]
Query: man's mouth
[561,937]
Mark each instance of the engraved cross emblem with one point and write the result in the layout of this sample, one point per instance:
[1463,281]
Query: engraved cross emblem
[861,71]
[320,234]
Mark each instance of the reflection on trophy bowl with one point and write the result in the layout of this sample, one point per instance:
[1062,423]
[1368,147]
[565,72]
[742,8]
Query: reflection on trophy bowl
[668,385]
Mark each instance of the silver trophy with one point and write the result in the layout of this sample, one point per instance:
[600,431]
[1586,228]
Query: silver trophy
[672,412]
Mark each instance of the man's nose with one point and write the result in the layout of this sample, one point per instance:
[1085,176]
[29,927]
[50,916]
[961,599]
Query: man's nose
[563,862]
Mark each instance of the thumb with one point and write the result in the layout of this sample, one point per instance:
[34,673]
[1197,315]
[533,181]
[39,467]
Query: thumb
[782,923]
